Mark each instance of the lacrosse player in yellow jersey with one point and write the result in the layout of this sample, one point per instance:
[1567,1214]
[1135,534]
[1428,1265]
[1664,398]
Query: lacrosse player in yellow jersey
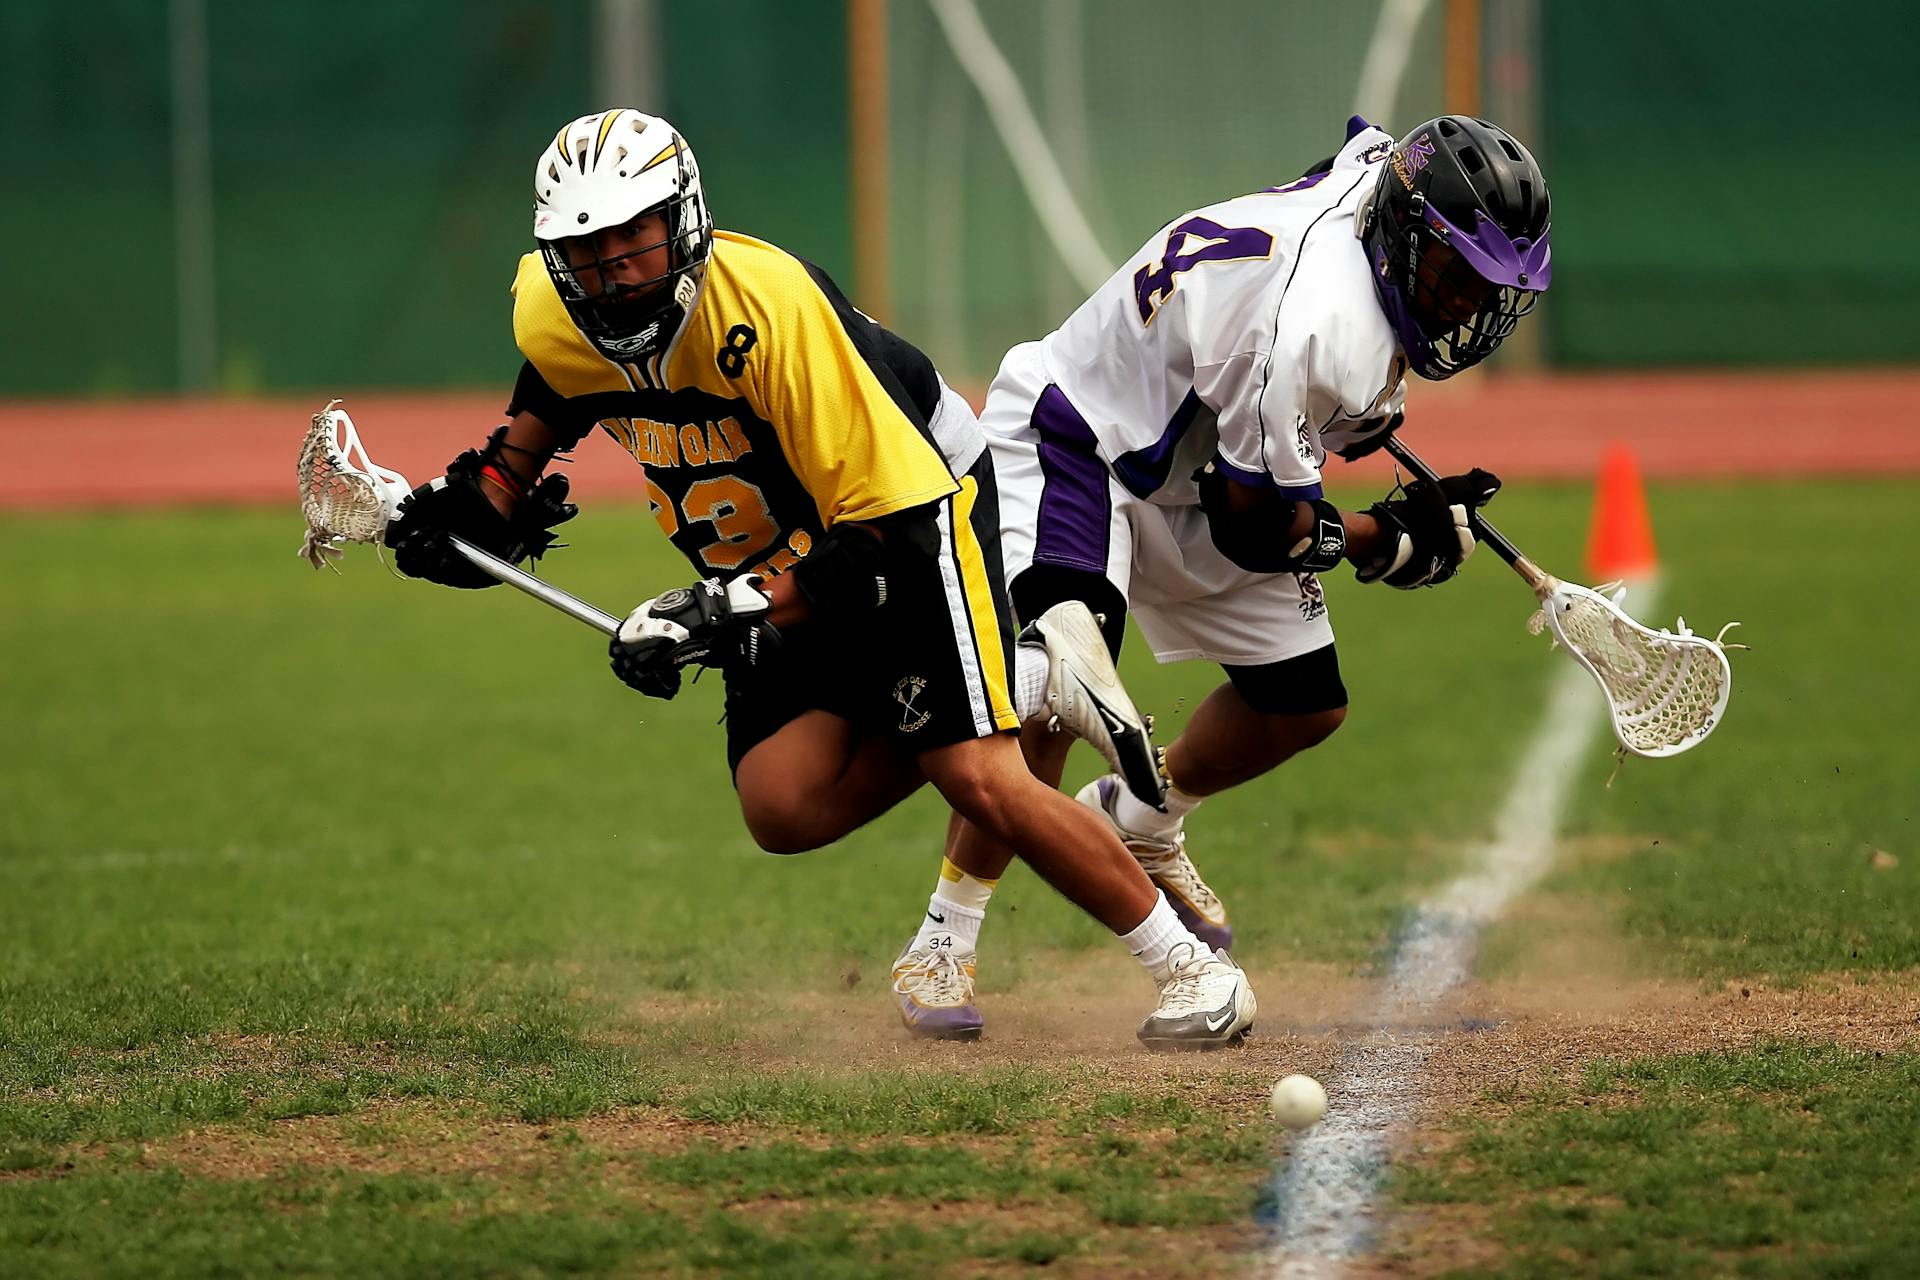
[838,504]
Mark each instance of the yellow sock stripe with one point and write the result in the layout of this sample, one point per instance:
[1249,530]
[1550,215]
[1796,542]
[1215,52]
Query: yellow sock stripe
[953,875]
[981,612]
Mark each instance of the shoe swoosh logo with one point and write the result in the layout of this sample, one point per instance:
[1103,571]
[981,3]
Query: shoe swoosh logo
[936,919]
[1225,1017]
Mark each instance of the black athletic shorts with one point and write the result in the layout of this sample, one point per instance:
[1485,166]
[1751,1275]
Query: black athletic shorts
[931,667]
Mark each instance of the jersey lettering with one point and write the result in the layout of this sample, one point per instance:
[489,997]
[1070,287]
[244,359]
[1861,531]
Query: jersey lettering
[1189,244]
[692,444]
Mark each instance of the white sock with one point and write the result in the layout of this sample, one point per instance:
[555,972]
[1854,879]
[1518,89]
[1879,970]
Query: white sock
[944,917]
[1149,821]
[1154,939]
[1029,680]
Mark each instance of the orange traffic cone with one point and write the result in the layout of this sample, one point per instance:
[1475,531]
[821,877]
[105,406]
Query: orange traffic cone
[1620,539]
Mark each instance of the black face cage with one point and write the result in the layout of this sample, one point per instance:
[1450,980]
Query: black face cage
[625,328]
[1456,344]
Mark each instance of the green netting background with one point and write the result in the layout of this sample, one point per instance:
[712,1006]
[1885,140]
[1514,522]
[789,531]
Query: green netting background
[1732,182]
[372,164]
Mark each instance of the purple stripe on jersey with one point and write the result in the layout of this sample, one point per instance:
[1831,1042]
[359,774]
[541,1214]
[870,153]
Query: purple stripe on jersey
[1298,184]
[1075,506]
[1144,470]
[1261,480]
[1356,125]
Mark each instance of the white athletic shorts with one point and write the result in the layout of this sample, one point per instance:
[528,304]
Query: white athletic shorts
[1060,505]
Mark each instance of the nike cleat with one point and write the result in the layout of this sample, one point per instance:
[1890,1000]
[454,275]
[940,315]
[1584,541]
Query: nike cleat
[934,988]
[1165,860]
[1085,697]
[1205,1004]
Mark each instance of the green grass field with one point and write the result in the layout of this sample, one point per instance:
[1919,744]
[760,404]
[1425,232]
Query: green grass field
[353,926]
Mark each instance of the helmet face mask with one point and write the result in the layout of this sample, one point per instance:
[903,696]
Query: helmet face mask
[1457,234]
[622,226]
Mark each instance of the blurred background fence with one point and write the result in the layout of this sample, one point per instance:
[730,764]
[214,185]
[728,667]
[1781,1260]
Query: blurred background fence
[228,196]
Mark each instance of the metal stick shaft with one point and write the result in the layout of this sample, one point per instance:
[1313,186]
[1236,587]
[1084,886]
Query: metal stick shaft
[1535,577]
[572,606]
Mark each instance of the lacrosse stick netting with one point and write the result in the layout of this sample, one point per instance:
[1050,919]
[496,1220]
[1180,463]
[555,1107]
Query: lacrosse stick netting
[343,494]
[1666,690]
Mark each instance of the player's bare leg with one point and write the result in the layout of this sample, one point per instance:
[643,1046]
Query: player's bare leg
[987,781]
[1205,1000]
[816,779]
[1227,742]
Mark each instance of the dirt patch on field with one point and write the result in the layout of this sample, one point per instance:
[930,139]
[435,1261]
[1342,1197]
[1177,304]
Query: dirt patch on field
[1084,1013]
[1514,1040]
[1566,993]
[1536,1034]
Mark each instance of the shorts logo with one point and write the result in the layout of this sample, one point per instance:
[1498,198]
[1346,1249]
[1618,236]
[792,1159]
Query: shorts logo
[1313,597]
[911,717]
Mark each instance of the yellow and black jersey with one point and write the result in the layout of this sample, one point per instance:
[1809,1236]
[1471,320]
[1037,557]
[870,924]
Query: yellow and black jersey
[780,411]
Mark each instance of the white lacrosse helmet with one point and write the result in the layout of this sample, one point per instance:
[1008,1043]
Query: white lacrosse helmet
[605,171]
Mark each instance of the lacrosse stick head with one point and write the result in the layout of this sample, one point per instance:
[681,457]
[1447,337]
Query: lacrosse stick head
[1666,690]
[343,494]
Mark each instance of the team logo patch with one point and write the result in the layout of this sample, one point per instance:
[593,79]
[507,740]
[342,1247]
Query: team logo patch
[1411,159]
[634,345]
[911,717]
[1313,597]
[1303,439]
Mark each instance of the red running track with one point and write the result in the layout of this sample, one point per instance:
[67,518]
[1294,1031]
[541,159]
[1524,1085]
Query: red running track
[66,454]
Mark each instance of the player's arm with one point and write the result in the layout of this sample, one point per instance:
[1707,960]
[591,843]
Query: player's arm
[730,624]
[1417,536]
[493,497]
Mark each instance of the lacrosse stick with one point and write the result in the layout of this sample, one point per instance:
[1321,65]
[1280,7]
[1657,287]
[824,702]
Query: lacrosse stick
[347,498]
[1665,690]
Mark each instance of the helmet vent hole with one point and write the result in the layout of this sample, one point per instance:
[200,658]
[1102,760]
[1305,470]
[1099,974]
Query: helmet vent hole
[1471,160]
[1448,128]
[553,171]
[1526,194]
[1513,152]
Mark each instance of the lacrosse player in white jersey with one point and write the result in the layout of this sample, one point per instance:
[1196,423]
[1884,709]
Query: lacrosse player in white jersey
[1161,451]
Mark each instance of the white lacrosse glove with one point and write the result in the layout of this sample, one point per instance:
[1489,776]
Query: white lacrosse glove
[712,624]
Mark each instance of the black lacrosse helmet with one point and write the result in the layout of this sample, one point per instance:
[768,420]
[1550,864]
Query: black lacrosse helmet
[1456,232]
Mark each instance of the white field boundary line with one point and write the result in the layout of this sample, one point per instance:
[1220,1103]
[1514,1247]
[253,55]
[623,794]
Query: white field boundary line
[1325,1189]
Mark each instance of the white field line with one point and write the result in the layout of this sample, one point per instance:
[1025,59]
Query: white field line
[1325,1189]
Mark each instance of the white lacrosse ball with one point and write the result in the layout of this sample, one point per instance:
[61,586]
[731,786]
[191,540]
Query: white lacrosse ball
[1298,1101]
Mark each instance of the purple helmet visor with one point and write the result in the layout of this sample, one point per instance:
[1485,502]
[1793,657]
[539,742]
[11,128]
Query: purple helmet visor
[1519,264]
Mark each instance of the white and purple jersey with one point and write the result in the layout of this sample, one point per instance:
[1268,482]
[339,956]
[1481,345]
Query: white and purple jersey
[1245,334]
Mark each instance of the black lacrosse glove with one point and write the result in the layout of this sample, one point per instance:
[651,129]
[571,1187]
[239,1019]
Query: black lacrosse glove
[1429,531]
[712,623]
[455,504]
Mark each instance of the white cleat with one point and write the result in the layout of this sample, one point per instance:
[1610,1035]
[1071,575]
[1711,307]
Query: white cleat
[1165,860]
[933,989]
[1205,1004]
[1085,697]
